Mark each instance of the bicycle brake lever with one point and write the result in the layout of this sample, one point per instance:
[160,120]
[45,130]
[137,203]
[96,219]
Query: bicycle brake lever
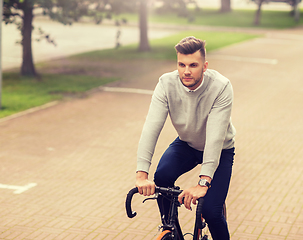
[153,198]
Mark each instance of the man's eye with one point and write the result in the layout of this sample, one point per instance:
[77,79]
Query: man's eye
[181,65]
[194,65]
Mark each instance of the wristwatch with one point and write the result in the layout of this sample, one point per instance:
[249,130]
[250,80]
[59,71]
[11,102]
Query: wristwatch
[204,183]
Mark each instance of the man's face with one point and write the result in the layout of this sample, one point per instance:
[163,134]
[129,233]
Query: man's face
[191,68]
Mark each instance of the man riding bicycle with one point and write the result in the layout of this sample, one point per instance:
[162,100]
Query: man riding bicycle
[199,102]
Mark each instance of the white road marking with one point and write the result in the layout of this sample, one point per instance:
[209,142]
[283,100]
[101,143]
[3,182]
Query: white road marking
[18,189]
[245,59]
[127,90]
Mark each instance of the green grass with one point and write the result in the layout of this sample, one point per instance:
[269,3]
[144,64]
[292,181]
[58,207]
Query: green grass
[236,18]
[21,93]
[163,49]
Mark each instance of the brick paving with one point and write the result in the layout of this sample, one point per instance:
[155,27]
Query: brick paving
[82,155]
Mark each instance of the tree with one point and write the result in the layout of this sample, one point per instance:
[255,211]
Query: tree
[293,3]
[296,10]
[225,6]
[9,15]
[179,6]
[13,10]
[144,43]
[258,13]
[64,11]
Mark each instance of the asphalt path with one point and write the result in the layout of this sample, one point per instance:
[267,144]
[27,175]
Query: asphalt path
[69,39]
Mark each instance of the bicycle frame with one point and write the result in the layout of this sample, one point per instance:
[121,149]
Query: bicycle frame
[173,225]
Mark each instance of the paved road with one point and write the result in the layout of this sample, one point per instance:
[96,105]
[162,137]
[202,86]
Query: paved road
[77,38]
[80,155]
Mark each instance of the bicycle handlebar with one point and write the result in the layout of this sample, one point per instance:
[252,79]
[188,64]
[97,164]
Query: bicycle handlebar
[169,191]
[128,201]
[130,213]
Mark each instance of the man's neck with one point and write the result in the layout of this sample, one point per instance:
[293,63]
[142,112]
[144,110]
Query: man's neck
[193,90]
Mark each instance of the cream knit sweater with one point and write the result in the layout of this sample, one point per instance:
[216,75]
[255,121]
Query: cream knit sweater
[201,118]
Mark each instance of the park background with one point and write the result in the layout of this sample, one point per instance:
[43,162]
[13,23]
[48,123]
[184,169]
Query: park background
[73,126]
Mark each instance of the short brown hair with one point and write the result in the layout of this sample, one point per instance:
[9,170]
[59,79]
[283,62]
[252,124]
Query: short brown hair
[190,45]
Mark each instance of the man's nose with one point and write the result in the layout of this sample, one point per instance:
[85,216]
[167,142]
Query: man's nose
[187,71]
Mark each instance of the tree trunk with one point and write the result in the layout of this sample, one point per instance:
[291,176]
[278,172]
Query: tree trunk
[144,44]
[297,10]
[225,6]
[258,13]
[27,68]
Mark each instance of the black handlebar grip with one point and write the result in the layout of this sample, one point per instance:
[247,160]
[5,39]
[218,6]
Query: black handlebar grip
[128,201]
[199,222]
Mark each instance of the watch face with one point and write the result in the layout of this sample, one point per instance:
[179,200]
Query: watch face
[204,182]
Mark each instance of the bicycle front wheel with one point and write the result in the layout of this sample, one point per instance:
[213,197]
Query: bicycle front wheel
[165,235]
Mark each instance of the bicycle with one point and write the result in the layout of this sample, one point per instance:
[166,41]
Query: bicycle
[171,228]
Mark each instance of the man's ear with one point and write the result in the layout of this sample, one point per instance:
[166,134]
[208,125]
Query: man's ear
[205,66]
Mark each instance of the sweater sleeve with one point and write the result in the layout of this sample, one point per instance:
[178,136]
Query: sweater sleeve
[153,125]
[216,128]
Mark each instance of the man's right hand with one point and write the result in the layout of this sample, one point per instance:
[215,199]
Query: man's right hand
[145,187]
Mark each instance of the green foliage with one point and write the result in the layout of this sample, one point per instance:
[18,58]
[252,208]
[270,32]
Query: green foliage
[69,11]
[21,93]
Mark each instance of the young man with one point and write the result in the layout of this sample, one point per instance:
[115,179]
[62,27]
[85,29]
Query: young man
[199,102]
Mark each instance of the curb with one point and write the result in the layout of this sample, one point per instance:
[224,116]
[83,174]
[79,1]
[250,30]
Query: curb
[31,110]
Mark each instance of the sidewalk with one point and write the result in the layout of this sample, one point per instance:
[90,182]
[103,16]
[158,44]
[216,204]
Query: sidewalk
[82,155]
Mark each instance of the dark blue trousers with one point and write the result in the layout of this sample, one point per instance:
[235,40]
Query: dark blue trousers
[180,158]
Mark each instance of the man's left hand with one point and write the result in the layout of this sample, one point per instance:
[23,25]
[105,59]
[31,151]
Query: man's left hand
[191,195]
